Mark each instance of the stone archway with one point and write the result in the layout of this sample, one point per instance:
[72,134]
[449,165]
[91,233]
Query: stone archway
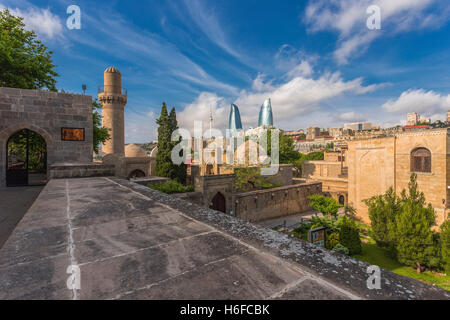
[341,199]
[136,174]
[6,133]
[26,159]
[218,203]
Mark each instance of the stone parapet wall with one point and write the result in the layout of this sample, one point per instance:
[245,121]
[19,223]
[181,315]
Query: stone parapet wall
[277,202]
[74,170]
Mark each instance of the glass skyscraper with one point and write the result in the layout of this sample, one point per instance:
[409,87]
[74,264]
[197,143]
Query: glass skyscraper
[234,122]
[265,114]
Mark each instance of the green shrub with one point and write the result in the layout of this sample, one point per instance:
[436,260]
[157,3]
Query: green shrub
[332,240]
[325,205]
[341,249]
[349,236]
[171,186]
[445,245]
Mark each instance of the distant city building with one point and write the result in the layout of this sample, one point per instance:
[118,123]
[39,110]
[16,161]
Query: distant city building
[265,114]
[358,126]
[312,133]
[448,116]
[414,118]
[234,122]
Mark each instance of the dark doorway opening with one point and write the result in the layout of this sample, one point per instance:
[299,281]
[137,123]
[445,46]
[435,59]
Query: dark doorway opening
[136,174]
[218,203]
[342,200]
[26,159]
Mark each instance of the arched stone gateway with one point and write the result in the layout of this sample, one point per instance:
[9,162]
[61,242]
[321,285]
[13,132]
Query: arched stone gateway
[342,199]
[218,202]
[136,174]
[26,159]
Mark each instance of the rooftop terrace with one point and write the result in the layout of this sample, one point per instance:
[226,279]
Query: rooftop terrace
[131,242]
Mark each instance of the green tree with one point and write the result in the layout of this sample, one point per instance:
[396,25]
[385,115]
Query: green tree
[383,211]
[445,245]
[248,179]
[167,124]
[179,171]
[101,134]
[349,235]
[287,154]
[415,239]
[25,62]
[325,205]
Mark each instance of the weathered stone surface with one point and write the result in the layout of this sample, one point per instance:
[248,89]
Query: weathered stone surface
[131,242]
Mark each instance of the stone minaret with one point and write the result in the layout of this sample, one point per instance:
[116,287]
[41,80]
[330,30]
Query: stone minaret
[113,101]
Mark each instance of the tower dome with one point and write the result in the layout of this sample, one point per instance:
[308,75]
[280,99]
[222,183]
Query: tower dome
[134,151]
[112,70]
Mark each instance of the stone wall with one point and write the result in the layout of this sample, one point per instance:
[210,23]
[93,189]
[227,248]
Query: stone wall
[272,203]
[209,186]
[379,163]
[46,113]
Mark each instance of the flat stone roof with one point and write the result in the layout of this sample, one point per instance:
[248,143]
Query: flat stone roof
[131,242]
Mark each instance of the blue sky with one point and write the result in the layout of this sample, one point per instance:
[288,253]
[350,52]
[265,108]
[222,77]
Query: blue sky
[316,60]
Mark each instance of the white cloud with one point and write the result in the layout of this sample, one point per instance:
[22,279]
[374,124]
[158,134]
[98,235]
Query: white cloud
[140,128]
[427,103]
[290,100]
[351,116]
[199,110]
[349,17]
[42,21]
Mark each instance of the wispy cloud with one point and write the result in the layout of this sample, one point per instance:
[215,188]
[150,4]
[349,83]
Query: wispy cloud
[46,24]
[428,103]
[348,19]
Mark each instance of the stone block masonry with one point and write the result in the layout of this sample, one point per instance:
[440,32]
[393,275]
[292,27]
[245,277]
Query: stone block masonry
[273,203]
[46,113]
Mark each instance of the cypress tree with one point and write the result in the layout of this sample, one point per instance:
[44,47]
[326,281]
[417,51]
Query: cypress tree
[164,165]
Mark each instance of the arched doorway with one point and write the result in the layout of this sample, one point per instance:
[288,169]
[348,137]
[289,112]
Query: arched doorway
[136,174]
[342,199]
[218,203]
[26,159]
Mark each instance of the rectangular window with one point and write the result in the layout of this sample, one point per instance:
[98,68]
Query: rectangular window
[72,134]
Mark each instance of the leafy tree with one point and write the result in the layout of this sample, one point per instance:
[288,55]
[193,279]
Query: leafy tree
[325,205]
[25,61]
[248,179]
[101,134]
[287,154]
[383,211]
[306,157]
[349,235]
[445,245]
[415,240]
[164,165]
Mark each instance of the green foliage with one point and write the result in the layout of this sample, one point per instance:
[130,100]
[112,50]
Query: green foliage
[101,134]
[164,165]
[341,249]
[325,205]
[248,179]
[445,245]
[413,227]
[306,157]
[349,209]
[24,61]
[349,235]
[383,211]
[332,240]
[171,186]
[287,154]
[37,148]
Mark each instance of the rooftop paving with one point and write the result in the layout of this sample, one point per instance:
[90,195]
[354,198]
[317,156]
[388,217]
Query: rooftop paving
[131,242]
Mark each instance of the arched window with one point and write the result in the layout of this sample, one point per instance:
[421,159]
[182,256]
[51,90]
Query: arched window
[421,160]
